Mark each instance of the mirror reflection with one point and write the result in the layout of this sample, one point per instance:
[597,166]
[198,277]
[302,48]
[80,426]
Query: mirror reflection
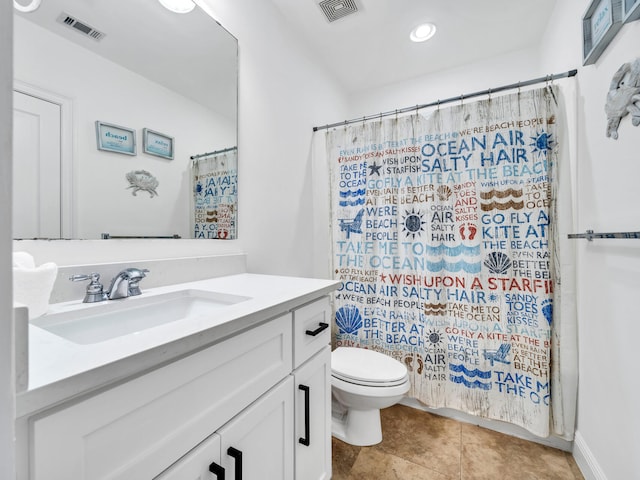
[112,99]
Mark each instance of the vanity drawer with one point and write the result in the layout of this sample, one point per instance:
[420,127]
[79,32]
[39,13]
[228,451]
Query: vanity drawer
[311,330]
[139,428]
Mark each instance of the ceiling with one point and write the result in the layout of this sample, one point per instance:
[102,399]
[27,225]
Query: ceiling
[371,47]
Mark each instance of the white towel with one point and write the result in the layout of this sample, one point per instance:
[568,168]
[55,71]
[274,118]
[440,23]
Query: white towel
[32,285]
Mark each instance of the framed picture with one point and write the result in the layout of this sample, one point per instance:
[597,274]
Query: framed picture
[630,10]
[114,138]
[600,24]
[156,143]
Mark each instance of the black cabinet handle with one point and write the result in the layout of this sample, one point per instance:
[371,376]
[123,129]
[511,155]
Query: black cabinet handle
[237,454]
[306,441]
[313,333]
[217,470]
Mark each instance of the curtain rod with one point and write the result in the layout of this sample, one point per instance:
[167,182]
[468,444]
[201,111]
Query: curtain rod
[548,78]
[216,152]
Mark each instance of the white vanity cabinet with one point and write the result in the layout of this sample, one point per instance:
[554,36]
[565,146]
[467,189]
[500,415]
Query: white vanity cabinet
[234,405]
[138,429]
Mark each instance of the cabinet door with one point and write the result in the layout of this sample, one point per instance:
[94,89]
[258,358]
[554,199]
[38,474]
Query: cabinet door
[258,443]
[313,417]
[199,464]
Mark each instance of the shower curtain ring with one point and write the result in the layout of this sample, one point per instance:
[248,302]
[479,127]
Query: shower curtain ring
[438,108]
[489,95]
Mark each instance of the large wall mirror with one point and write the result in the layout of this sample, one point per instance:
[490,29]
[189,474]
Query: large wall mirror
[125,122]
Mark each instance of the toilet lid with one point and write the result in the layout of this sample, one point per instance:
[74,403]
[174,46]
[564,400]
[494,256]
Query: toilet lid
[367,367]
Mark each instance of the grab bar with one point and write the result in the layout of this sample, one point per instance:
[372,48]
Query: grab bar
[590,235]
[107,236]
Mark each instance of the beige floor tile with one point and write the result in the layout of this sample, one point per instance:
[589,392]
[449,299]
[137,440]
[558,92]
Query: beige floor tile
[376,464]
[343,457]
[422,438]
[492,455]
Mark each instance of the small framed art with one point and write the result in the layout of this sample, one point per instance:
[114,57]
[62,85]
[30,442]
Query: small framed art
[115,138]
[158,144]
[630,10]
[600,24]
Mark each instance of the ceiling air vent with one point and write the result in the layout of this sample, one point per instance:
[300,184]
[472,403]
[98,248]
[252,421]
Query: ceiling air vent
[335,9]
[80,27]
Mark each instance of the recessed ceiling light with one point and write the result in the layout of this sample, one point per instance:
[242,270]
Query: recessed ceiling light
[30,7]
[423,32]
[178,6]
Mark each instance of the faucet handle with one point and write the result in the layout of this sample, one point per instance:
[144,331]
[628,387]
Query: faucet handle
[95,290]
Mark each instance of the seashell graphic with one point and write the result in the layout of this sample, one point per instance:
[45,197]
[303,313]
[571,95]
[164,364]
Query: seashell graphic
[142,180]
[348,319]
[444,192]
[547,310]
[498,263]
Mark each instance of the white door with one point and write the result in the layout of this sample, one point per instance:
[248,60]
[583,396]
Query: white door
[36,167]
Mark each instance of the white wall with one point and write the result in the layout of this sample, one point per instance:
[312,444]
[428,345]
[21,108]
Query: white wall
[102,90]
[283,95]
[606,196]
[608,427]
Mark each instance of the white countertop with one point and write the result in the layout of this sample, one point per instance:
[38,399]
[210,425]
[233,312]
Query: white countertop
[60,370]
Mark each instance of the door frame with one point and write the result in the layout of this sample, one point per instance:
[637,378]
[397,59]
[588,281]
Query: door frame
[67,230]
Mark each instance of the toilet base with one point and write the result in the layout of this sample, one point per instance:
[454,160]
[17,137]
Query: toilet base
[361,428]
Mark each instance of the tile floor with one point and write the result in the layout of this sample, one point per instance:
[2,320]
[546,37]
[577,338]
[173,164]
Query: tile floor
[418,445]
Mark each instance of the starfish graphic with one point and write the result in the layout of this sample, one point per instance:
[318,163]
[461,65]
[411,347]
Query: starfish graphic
[375,169]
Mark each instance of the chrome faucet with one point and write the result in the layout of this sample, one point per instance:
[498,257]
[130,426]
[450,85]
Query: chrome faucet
[124,284]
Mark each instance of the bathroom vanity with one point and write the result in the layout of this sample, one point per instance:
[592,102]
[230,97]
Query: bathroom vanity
[236,390]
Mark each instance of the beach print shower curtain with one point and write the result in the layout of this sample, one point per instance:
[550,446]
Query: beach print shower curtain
[443,238]
[215,195]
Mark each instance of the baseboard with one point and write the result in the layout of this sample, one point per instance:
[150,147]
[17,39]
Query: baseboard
[586,461]
[502,427]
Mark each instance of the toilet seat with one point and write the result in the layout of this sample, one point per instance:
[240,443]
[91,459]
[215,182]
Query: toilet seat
[367,367]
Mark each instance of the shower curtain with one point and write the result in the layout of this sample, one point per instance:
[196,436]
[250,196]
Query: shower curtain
[445,238]
[215,195]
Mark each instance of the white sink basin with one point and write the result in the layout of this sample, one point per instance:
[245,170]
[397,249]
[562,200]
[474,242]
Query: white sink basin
[115,318]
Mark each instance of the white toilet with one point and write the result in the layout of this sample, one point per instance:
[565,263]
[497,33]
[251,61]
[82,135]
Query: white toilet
[362,382]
